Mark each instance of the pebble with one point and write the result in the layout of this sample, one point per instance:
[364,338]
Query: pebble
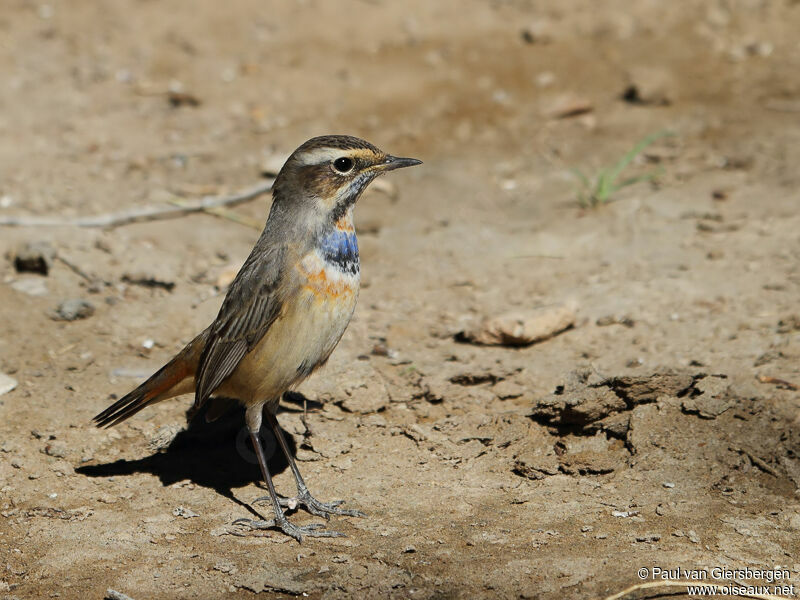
[72,310]
[563,106]
[650,86]
[186,513]
[34,257]
[56,449]
[7,383]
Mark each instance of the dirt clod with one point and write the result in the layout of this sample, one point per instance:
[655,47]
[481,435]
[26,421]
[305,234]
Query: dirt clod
[73,310]
[34,257]
[521,328]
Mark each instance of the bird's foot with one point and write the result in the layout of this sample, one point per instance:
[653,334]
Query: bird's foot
[314,506]
[289,528]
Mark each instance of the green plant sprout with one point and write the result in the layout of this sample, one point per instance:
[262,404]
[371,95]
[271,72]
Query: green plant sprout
[606,183]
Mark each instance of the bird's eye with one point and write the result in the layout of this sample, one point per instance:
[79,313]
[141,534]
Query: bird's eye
[343,164]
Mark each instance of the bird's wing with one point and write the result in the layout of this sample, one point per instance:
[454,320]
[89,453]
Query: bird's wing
[251,306]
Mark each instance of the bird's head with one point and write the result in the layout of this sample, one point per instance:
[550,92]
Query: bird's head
[329,173]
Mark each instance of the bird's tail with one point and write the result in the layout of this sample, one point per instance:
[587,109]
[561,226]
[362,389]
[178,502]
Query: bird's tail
[163,384]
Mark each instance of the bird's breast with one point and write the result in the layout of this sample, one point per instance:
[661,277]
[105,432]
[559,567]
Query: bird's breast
[331,270]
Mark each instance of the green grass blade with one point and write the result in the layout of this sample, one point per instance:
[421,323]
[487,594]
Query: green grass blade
[634,152]
[632,180]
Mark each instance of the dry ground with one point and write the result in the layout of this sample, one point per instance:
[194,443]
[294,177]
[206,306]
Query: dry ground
[641,437]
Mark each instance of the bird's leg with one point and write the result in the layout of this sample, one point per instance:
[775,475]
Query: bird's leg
[304,497]
[281,522]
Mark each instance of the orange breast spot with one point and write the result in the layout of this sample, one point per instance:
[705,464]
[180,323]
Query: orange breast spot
[324,287]
[345,223]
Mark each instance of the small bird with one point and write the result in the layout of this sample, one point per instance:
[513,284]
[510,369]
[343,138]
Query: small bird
[285,311]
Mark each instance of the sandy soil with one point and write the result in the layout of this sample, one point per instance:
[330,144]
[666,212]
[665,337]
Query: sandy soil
[660,431]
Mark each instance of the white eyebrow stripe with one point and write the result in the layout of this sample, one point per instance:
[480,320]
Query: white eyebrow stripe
[319,156]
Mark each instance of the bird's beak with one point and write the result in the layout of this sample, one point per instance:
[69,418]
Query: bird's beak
[393,162]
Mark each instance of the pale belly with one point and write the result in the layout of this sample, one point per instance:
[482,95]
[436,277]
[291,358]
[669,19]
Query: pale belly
[299,341]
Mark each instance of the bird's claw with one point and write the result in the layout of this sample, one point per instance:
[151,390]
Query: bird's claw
[289,528]
[314,506]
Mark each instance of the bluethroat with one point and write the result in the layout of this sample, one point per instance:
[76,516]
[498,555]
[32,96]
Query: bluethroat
[285,311]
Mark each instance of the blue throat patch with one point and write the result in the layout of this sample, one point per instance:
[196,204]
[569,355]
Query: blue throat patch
[340,248]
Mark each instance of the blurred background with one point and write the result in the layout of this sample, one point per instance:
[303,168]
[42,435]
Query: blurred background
[576,348]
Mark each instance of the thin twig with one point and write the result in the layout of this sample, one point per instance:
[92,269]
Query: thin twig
[758,462]
[685,585]
[147,213]
[76,269]
[221,211]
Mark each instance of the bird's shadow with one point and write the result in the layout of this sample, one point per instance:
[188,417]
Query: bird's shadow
[216,455]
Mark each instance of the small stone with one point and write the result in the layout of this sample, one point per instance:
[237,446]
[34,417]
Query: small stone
[692,534]
[381,349]
[186,513]
[564,106]
[34,257]
[624,514]
[538,32]
[72,310]
[6,383]
[409,549]
[56,449]
[668,484]
[649,86]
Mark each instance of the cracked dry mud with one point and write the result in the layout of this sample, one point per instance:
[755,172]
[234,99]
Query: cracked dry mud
[660,430]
